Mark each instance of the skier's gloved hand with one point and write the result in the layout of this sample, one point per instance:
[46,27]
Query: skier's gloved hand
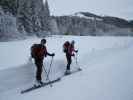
[53,54]
[76,51]
[73,54]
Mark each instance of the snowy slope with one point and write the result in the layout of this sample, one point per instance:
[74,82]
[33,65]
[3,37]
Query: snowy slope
[106,63]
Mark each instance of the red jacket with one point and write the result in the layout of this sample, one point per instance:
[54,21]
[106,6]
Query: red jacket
[71,50]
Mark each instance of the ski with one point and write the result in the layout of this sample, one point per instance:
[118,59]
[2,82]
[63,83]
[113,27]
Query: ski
[72,72]
[48,83]
[39,86]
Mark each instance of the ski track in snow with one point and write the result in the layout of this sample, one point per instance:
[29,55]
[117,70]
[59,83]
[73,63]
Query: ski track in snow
[96,63]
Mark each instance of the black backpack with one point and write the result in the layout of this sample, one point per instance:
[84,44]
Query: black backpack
[38,51]
[66,46]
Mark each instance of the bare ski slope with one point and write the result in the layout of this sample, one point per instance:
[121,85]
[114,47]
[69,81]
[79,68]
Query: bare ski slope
[106,63]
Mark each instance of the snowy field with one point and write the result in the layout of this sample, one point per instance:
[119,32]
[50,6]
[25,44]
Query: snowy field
[107,64]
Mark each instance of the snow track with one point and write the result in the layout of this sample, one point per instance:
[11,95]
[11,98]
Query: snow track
[107,72]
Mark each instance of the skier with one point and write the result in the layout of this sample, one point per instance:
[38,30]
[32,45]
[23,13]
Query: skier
[69,50]
[38,52]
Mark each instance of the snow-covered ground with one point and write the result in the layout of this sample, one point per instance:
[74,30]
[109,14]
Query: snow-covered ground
[106,63]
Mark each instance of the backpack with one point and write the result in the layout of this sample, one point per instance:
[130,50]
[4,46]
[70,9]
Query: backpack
[38,51]
[65,46]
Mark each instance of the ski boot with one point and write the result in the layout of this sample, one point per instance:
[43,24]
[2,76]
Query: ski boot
[67,72]
[38,83]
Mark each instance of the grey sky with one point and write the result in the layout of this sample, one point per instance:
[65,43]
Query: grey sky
[118,8]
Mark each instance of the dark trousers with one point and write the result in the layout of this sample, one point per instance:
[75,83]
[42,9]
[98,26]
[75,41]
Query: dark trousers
[39,65]
[69,61]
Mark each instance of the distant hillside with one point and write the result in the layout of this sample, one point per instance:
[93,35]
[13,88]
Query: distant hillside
[85,23]
[119,22]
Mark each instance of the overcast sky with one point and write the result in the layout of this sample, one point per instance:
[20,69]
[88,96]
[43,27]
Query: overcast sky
[118,8]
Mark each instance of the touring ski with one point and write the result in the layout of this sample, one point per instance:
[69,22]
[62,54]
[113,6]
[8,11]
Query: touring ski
[39,86]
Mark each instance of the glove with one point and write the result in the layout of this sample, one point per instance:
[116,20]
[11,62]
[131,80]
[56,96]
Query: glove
[73,54]
[52,54]
[76,51]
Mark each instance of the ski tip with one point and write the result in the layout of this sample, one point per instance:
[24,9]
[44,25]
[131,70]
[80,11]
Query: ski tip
[22,92]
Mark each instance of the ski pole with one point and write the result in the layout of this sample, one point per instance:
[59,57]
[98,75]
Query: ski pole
[75,57]
[47,76]
[77,60]
[50,67]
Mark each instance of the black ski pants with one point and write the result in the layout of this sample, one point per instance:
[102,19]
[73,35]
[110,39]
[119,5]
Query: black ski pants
[39,65]
[69,60]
